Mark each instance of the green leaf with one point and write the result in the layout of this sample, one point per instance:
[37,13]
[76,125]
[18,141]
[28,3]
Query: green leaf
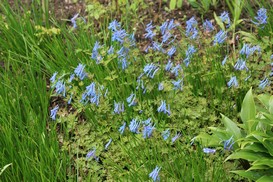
[247,155]
[219,22]
[248,174]
[264,100]
[231,127]
[172,4]
[271,105]
[4,168]
[267,162]
[265,179]
[248,111]
[179,3]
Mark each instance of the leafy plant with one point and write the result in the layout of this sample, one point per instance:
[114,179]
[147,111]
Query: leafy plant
[203,5]
[253,138]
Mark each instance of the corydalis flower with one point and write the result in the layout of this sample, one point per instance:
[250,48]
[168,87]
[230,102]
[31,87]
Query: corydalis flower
[168,66]
[175,70]
[232,82]
[131,100]
[118,107]
[207,25]
[225,19]
[73,20]
[265,82]
[160,86]
[177,84]
[122,128]
[176,137]
[163,108]
[92,153]
[154,174]
[53,112]
[60,88]
[114,25]
[150,70]
[171,51]
[166,134]
[228,143]
[167,26]
[133,127]
[261,18]
[224,60]
[240,65]
[108,144]
[53,78]
[247,50]
[190,51]
[209,150]
[220,37]
[149,31]
[191,30]
[95,53]
[79,71]
[148,130]
[119,35]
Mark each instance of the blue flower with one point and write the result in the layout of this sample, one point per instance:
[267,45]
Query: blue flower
[176,69]
[207,25]
[73,20]
[265,82]
[157,47]
[166,134]
[176,137]
[133,127]
[261,18]
[70,99]
[178,84]
[171,51]
[225,19]
[119,35]
[92,153]
[220,37]
[123,63]
[209,151]
[95,99]
[147,121]
[131,100]
[232,82]
[122,128]
[160,86]
[148,130]
[150,70]
[154,174]
[118,108]
[150,34]
[114,25]
[72,76]
[140,84]
[166,37]
[60,87]
[191,30]
[107,145]
[53,78]
[91,89]
[168,66]
[95,53]
[163,108]
[228,143]
[224,60]
[110,50]
[240,65]
[79,71]
[53,112]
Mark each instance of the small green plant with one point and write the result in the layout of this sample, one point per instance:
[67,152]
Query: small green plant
[251,140]
[203,5]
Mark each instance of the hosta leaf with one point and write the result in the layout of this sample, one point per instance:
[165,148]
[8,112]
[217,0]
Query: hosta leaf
[172,4]
[264,100]
[248,174]
[267,162]
[231,127]
[265,179]
[258,167]
[247,155]
[271,105]
[208,140]
[256,147]
[248,111]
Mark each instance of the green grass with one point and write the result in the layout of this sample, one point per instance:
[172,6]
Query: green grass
[40,149]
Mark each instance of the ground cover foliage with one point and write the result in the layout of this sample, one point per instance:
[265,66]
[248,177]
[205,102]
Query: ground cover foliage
[111,96]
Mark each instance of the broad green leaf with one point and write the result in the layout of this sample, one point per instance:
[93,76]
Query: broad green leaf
[247,155]
[172,4]
[256,147]
[248,111]
[248,174]
[267,162]
[179,3]
[208,140]
[255,167]
[231,127]
[264,100]
[265,179]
